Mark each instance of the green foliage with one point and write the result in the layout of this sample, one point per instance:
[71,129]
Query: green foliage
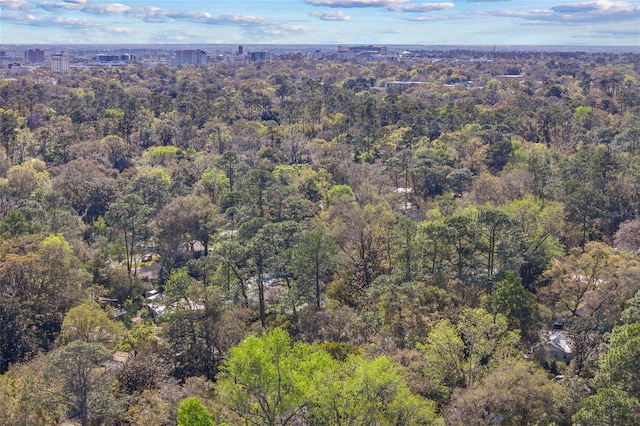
[444,356]
[460,355]
[340,191]
[177,285]
[114,113]
[90,323]
[369,392]
[314,260]
[608,407]
[153,185]
[516,392]
[520,154]
[129,214]
[597,279]
[538,226]
[15,224]
[182,222]
[160,155]
[39,281]
[137,338]
[28,178]
[516,190]
[631,314]
[620,364]
[583,110]
[289,171]
[56,244]
[9,125]
[518,305]
[340,351]
[191,412]
[267,380]
[83,385]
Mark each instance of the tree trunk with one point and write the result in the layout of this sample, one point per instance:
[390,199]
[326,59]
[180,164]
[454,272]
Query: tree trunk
[317,277]
[263,315]
[84,409]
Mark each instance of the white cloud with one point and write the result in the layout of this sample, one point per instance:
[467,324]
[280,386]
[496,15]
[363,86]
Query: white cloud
[55,21]
[121,30]
[357,3]
[255,26]
[114,8]
[422,7]
[55,5]
[24,18]
[14,4]
[64,22]
[599,11]
[156,14]
[334,15]
[590,6]
[425,18]
[633,35]
[82,6]
[391,5]
[54,14]
[69,22]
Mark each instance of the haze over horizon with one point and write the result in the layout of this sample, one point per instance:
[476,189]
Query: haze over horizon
[402,22]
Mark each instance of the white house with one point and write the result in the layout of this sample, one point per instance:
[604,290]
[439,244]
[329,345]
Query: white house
[560,345]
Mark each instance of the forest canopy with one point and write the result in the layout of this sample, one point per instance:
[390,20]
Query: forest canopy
[301,242]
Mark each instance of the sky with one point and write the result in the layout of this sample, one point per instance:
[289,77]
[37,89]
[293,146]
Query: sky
[404,22]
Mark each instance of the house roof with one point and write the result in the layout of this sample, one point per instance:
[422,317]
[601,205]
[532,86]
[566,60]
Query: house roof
[561,340]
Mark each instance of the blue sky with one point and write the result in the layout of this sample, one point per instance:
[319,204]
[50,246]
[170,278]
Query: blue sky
[453,22]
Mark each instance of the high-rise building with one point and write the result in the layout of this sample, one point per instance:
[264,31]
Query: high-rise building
[260,56]
[60,63]
[361,52]
[34,56]
[122,57]
[190,57]
[14,69]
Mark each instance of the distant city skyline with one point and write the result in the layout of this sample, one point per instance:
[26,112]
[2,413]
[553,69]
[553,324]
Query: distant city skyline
[454,22]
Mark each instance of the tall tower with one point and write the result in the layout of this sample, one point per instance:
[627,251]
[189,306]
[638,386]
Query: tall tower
[191,57]
[34,56]
[60,63]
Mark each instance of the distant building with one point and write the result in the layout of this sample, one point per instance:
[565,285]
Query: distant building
[148,63]
[560,345]
[34,56]
[366,53]
[229,58]
[14,69]
[60,63]
[105,58]
[260,56]
[397,86]
[319,54]
[190,57]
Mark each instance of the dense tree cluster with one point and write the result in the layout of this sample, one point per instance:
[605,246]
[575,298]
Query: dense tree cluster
[326,246]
